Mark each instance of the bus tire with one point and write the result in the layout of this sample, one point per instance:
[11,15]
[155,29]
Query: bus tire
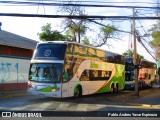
[112,89]
[143,86]
[78,92]
[151,84]
[140,85]
[116,89]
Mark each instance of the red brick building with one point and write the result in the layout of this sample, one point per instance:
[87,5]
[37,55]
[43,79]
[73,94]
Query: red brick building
[15,54]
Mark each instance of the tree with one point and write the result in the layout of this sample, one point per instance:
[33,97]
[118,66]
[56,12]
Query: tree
[130,53]
[155,32]
[106,33]
[48,35]
[76,28]
[155,43]
[86,41]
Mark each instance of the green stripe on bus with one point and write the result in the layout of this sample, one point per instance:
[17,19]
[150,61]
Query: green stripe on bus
[117,78]
[48,89]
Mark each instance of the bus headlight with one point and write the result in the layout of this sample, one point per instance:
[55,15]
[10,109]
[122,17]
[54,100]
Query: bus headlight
[55,89]
[30,86]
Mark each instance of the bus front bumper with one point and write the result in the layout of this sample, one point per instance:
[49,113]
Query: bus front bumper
[44,94]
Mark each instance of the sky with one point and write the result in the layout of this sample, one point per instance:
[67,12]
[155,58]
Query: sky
[30,27]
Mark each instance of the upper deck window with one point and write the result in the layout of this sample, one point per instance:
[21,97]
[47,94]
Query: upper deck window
[50,51]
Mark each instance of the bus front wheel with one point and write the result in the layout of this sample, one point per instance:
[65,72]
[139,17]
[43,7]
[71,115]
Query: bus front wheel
[78,92]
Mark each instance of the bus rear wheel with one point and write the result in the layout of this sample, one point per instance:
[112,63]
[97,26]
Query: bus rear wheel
[140,85]
[116,89]
[151,85]
[112,89]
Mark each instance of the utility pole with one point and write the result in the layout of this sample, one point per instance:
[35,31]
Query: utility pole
[158,9]
[135,56]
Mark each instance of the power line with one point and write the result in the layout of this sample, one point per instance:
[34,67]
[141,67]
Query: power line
[107,26]
[68,4]
[77,16]
[143,29]
[147,36]
[94,1]
[147,50]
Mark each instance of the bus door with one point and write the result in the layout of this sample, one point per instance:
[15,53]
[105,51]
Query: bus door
[67,75]
[65,79]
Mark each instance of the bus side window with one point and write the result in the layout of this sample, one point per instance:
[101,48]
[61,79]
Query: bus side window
[99,75]
[146,75]
[85,76]
[65,76]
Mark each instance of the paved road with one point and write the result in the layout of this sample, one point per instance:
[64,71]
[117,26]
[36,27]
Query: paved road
[101,104]
[125,101]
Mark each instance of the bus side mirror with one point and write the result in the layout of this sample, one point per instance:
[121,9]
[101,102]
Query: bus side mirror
[140,66]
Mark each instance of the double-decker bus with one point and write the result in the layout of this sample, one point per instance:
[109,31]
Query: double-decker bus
[65,69]
[146,73]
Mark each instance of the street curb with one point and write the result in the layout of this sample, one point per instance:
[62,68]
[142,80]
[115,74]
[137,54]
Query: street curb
[130,98]
[156,86]
[145,105]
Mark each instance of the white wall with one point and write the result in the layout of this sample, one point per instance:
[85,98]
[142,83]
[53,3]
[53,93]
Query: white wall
[14,70]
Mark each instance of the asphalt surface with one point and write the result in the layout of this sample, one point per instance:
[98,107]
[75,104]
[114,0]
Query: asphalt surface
[148,99]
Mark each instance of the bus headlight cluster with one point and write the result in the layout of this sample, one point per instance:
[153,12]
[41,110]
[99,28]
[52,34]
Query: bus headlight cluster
[55,89]
[30,86]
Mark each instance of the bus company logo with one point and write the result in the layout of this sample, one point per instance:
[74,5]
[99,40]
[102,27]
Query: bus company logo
[47,53]
[6,114]
[94,65]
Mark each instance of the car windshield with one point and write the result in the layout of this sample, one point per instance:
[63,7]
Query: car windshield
[49,73]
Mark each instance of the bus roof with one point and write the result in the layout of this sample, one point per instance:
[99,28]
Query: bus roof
[147,61]
[67,42]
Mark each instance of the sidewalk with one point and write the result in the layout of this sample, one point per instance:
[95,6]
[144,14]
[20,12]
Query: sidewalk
[9,94]
[152,100]
[156,85]
[128,96]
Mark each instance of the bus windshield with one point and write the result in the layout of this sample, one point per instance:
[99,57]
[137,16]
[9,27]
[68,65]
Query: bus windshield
[48,72]
[50,51]
[147,64]
[129,69]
